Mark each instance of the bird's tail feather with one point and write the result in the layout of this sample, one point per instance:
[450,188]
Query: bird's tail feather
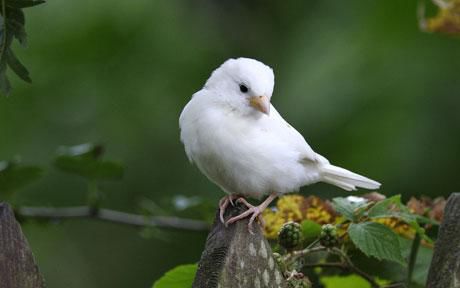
[345,179]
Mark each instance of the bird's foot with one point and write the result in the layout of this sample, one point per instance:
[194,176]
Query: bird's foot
[223,204]
[255,212]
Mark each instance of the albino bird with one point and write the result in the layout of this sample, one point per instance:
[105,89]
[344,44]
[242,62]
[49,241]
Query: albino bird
[241,143]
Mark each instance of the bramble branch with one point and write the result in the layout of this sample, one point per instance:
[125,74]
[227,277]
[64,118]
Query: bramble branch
[112,216]
[346,263]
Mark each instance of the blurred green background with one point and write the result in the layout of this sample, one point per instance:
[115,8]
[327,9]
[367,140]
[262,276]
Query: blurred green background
[358,79]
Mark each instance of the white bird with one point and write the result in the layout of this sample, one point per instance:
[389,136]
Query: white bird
[241,143]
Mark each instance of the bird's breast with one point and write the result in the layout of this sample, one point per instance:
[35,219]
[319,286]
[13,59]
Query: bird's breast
[241,156]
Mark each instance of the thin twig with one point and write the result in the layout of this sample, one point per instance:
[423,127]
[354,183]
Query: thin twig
[355,269]
[347,264]
[339,265]
[112,216]
[395,285]
[293,256]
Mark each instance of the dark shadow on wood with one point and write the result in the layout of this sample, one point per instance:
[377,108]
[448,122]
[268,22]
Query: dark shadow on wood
[17,265]
[233,258]
[445,266]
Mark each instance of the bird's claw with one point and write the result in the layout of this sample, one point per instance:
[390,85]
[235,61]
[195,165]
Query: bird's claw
[223,204]
[256,214]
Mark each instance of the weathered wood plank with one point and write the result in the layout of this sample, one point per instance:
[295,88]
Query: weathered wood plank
[233,258]
[445,266]
[17,265]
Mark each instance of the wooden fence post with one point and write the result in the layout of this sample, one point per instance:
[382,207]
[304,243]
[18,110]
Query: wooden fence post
[445,266]
[17,265]
[234,258]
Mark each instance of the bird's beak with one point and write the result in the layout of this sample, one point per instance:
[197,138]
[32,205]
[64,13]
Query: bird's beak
[261,103]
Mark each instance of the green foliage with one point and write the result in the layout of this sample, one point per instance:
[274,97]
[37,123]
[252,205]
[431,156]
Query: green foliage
[14,176]
[350,281]
[12,21]
[346,208]
[394,208]
[357,236]
[180,277]
[423,260]
[377,240]
[310,230]
[85,160]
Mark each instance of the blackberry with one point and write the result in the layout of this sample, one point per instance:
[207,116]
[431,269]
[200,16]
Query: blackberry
[328,237]
[290,235]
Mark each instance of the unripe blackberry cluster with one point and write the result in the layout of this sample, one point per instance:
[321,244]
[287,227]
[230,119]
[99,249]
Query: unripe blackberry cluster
[328,237]
[290,235]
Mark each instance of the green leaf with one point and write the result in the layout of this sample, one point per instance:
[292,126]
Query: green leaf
[346,208]
[310,229]
[393,208]
[382,208]
[17,66]
[84,160]
[5,86]
[180,277]
[350,281]
[423,262]
[377,240]
[23,3]
[15,23]
[14,176]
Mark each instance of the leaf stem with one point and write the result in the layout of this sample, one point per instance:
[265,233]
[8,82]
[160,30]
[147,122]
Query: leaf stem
[413,258]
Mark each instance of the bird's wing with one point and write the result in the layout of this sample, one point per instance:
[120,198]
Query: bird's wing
[296,140]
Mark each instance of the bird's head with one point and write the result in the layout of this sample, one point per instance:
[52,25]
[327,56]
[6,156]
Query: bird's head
[244,84]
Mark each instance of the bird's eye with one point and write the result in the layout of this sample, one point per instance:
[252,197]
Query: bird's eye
[243,88]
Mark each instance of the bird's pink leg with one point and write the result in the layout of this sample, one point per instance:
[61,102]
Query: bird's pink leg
[223,204]
[254,211]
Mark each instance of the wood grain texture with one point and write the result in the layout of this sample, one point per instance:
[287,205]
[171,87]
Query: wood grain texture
[445,267]
[233,258]
[17,265]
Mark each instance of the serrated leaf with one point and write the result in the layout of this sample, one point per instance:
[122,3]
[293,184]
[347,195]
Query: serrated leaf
[310,229]
[84,160]
[23,3]
[346,208]
[180,277]
[377,240]
[393,208]
[17,66]
[14,176]
[381,208]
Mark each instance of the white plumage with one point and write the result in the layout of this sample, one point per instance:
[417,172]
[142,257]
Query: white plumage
[242,144]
